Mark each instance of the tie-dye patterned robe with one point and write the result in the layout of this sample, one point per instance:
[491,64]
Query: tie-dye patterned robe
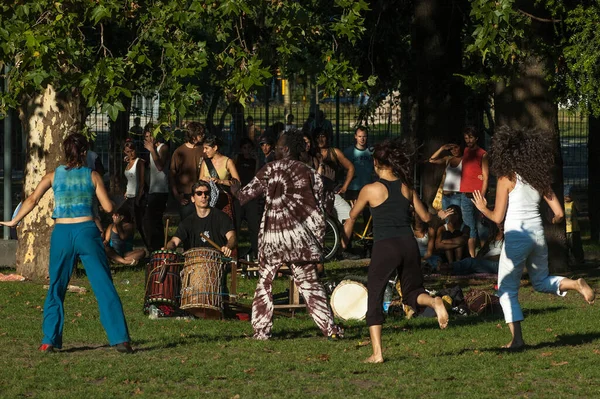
[293,224]
[292,231]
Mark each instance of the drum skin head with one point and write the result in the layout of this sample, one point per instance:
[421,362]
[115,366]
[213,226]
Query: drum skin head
[349,300]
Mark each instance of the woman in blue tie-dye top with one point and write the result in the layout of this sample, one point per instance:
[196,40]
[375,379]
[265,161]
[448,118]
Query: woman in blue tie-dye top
[75,235]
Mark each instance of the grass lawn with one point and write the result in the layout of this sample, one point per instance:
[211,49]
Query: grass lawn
[217,359]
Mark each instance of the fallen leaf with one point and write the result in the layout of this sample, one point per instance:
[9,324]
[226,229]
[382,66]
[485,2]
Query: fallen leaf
[236,396]
[559,363]
[475,351]
[596,351]
[422,341]
[364,343]
[137,391]
[323,357]
[250,371]
[548,329]
[546,354]
[499,326]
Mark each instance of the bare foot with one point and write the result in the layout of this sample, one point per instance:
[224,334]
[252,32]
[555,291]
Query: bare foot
[374,359]
[514,345]
[441,312]
[586,291]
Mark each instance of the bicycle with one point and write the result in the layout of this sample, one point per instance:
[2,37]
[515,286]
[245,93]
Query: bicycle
[333,237]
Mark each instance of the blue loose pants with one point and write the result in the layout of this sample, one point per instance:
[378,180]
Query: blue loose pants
[67,242]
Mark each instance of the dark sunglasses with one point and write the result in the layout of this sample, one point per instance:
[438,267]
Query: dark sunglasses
[200,193]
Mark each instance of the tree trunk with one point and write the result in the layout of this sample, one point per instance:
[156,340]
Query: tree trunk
[437,51]
[527,103]
[47,119]
[212,109]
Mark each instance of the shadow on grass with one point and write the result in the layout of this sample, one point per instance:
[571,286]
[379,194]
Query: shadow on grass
[561,341]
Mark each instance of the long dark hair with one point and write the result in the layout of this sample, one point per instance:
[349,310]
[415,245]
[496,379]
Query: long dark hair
[399,155]
[528,153]
[75,146]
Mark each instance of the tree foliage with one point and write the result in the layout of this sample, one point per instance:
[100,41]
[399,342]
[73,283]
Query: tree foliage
[505,32]
[107,50]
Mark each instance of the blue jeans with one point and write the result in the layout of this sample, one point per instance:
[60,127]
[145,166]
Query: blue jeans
[474,265]
[523,248]
[451,199]
[468,213]
[69,241]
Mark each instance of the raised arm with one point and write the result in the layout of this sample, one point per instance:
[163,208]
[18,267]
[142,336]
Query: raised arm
[504,186]
[31,201]
[436,158]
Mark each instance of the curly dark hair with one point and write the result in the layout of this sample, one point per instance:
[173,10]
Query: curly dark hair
[526,152]
[294,140]
[398,154]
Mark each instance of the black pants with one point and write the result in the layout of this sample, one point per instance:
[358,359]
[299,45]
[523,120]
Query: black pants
[250,212]
[153,225]
[390,255]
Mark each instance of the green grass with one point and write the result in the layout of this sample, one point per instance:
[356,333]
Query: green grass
[217,359]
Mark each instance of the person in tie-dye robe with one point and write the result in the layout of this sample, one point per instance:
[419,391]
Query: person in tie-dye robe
[291,232]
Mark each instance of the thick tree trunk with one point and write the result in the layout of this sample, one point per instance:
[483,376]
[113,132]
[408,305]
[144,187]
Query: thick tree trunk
[437,50]
[47,119]
[527,103]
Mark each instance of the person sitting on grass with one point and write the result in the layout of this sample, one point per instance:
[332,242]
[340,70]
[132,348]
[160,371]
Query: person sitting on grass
[487,258]
[453,236]
[118,239]
[425,234]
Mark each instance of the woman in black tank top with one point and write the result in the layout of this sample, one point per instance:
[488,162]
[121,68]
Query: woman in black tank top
[395,248]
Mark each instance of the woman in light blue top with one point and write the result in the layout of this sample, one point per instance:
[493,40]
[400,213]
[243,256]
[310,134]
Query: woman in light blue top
[75,235]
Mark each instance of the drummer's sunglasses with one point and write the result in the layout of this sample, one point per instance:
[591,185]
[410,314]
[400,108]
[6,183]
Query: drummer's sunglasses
[200,193]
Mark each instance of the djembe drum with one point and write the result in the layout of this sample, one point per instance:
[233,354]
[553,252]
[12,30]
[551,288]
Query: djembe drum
[201,292]
[163,281]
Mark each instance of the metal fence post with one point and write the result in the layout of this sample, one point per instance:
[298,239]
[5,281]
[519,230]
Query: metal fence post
[337,119]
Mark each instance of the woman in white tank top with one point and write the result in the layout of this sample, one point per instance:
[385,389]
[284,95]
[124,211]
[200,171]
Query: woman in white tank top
[523,160]
[453,162]
[135,192]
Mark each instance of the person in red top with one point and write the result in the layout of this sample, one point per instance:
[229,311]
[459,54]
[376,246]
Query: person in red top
[474,177]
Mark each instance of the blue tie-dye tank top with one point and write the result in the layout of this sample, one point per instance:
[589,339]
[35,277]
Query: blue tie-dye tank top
[73,192]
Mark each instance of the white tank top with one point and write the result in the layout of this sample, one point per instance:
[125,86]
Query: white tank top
[523,208]
[452,180]
[495,248]
[158,179]
[422,243]
[132,183]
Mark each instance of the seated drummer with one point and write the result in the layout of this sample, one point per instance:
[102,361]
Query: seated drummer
[211,222]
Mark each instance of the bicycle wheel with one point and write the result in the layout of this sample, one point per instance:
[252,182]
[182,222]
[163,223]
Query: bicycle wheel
[332,239]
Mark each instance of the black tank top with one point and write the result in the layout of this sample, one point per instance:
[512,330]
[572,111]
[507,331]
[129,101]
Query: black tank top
[392,219]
